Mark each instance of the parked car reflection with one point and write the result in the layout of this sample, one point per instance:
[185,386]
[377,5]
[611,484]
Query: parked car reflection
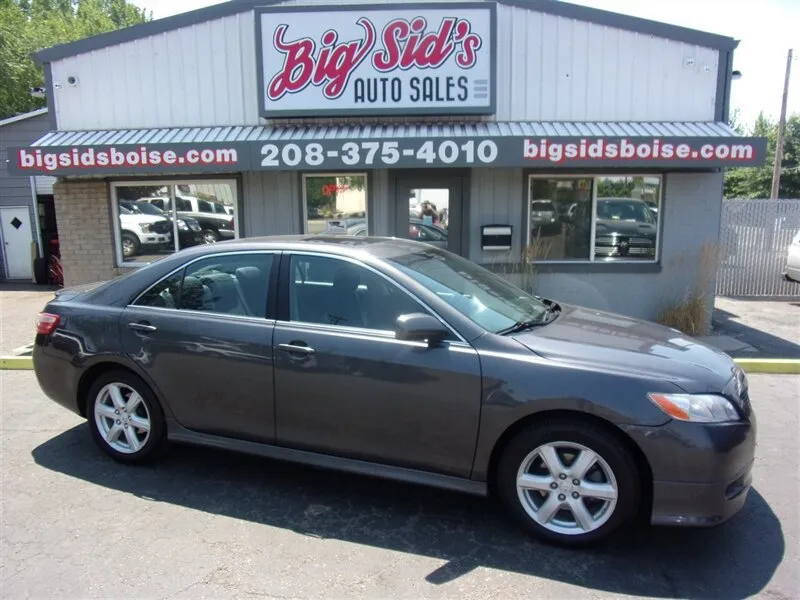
[625,228]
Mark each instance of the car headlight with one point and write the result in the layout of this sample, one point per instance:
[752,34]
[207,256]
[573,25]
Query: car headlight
[182,225]
[697,408]
[146,227]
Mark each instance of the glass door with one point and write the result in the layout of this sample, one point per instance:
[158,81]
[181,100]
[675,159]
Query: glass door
[429,210]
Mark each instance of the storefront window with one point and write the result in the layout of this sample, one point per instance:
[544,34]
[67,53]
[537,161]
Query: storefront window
[606,218]
[155,219]
[335,204]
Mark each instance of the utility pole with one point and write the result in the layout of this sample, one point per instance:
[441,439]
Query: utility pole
[776,172]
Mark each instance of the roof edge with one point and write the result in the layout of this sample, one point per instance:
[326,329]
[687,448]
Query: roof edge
[627,22]
[24,116]
[233,7]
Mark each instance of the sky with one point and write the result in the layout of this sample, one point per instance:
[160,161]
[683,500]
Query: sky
[766,30]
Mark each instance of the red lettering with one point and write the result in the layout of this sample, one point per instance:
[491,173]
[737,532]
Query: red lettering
[332,68]
[470,44]
[405,45]
[298,64]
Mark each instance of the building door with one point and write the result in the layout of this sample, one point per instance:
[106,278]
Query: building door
[15,225]
[430,208]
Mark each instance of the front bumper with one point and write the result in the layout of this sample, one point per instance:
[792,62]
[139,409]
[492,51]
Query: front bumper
[701,472]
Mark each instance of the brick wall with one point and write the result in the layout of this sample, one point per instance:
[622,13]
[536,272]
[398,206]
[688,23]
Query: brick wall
[85,235]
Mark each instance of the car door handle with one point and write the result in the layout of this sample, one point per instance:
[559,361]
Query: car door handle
[296,349]
[142,327]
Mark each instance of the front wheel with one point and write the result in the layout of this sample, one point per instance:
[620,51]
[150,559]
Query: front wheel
[130,245]
[210,236]
[569,482]
[125,418]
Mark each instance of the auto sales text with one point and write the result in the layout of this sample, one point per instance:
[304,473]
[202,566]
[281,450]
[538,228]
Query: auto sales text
[402,45]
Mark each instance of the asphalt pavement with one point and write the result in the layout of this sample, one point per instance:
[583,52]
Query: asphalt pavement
[209,524]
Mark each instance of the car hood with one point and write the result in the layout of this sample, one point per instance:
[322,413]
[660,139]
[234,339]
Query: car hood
[612,342]
[140,218]
[608,226]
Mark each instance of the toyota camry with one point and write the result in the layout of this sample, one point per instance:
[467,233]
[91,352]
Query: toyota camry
[398,359]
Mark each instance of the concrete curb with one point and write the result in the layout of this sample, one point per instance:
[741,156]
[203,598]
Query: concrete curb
[775,366]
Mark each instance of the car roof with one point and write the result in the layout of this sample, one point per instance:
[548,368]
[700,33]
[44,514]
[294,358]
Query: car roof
[344,245]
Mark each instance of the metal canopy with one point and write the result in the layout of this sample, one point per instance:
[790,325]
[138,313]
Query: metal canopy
[555,145]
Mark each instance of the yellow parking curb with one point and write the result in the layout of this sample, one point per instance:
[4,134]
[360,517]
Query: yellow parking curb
[776,366]
[16,363]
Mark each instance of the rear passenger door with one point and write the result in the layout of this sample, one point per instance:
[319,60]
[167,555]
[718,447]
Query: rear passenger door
[204,337]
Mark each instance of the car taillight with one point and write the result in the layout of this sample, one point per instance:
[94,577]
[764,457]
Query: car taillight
[46,323]
[231,225]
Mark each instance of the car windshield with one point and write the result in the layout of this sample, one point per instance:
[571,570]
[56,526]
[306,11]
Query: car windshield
[624,210]
[485,298]
[149,209]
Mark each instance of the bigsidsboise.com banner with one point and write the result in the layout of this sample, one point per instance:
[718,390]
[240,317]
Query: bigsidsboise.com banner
[405,152]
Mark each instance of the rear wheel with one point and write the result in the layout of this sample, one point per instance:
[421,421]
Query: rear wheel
[126,420]
[569,482]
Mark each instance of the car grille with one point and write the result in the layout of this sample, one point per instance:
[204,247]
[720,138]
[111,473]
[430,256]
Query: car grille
[619,245]
[162,227]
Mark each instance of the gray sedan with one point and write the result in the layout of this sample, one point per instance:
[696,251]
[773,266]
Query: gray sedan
[397,359]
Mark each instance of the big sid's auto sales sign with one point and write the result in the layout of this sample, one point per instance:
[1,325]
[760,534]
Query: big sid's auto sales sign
[411,59]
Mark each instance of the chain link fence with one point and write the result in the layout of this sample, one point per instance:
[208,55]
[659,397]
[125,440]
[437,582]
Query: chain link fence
[754,241]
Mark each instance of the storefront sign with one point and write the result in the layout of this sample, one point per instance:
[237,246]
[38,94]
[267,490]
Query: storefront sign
[405,152]
[402,59]
[416,153]
[130,159]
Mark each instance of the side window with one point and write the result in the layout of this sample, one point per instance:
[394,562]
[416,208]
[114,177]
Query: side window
[165,294]
[184,205]
[204,206]
[235,285]
[335,292]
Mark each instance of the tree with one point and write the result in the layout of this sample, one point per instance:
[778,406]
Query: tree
[755,182]
[27,26]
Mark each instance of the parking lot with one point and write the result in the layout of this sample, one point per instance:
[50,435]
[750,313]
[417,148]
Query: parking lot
[207,524]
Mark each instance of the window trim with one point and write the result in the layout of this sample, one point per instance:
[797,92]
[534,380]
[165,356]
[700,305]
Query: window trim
[170,184]
[304,198]
[594,176]
[283,316]
[272,288]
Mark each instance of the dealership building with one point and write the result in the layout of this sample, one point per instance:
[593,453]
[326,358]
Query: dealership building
[577,149]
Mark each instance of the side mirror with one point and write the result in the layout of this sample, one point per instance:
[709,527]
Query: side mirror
[419,327]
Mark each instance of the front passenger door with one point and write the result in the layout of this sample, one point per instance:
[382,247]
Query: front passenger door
[345,386]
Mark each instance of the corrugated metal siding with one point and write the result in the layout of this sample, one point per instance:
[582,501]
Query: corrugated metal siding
[44,185]
[271,203]
[496,199]
[16,191]
[549,68]
[317,132]
[203,74]
[553,68]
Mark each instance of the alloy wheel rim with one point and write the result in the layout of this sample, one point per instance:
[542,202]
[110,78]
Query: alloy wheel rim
[127,247]
[567,488]
[122,418]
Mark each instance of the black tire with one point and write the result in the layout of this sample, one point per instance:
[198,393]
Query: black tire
[154,444]
[133,241]
[590,435]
